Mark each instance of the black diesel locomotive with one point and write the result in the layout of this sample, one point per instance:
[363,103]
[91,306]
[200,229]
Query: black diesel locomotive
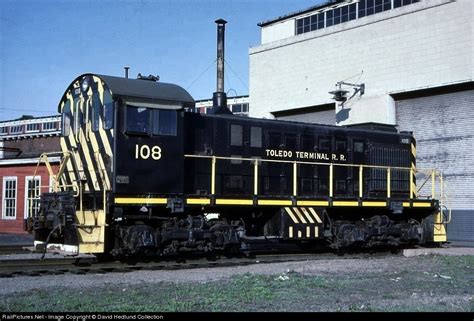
[141,172]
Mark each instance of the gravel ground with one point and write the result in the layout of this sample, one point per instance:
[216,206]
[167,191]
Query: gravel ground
[323,267]
[389,283]
[326,268]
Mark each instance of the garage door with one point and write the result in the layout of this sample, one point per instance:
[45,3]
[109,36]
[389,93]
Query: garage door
[443,126]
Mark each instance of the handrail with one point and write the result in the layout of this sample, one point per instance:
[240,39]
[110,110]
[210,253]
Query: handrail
[434,174]
[56,177]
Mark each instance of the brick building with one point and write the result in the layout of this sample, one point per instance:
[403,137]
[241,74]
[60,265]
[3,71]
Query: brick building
[22,141]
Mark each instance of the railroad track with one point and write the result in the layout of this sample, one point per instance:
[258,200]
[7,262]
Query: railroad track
[52,266]
[13,249]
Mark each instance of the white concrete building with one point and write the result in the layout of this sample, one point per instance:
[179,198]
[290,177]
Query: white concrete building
[415,58]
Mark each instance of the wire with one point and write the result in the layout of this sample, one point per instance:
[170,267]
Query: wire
[31,110]
[198,77]
[235,73]
[358,74]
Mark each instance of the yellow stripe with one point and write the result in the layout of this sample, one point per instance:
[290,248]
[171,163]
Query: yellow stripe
[312,203]
[198,201]
[290,231]
[316,216]
[406,204]
[233,202]
[345,203]
[418,204]
[297,211]
[374,204]
[293,218]
[299,234]
[274,202]
[89,160]
[413,150]
[316,231]
[439,238]
[99,160]
[307,232]
[140,200]
[70,169]
[305,212]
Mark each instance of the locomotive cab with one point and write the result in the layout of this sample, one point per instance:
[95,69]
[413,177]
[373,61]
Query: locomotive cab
[119,137]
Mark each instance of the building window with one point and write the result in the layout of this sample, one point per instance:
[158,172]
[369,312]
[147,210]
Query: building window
[16,129]
[32,196]
[400,3]
[370,7]
[237,108]
[9,198]
[347,13]
[32,127]
[310,23]
[49,126]
[3,130]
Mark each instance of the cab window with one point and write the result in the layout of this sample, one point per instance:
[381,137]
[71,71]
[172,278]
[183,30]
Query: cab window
[164,122]
[108,111]
[137,120]
[96,109]
[67,119]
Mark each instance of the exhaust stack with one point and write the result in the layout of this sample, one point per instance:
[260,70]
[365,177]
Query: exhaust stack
[219,98]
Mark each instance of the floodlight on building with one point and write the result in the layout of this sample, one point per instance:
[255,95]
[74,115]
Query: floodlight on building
[340,95]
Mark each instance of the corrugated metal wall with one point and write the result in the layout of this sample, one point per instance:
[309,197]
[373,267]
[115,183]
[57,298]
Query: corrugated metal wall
[326,117]
[444,129]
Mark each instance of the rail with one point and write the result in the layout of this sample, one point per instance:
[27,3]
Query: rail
[433,177]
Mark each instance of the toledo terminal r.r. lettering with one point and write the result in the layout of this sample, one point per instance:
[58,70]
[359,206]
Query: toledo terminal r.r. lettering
[300,155]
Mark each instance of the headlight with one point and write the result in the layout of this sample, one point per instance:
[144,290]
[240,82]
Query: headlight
[85,84]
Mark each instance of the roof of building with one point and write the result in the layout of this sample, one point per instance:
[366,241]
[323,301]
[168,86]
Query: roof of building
[28,119]
[141,88]
[300,12]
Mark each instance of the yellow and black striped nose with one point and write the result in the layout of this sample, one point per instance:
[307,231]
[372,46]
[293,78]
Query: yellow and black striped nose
[301,223]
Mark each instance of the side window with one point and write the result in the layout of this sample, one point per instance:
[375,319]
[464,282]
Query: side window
[67,117]
[274,140]
[341,146]
[255,137]
[138,120]
[76,126]
[108,111]
[307,143]
[164,122]
[235,135]
[290,141]
[324,144]
[96,111]
[358,147]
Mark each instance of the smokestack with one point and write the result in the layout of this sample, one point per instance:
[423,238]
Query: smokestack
[126,68]
[219,98]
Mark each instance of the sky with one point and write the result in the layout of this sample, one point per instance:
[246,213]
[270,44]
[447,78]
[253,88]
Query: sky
[46,44]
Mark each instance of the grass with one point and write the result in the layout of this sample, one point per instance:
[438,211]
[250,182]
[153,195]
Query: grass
[419,287]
